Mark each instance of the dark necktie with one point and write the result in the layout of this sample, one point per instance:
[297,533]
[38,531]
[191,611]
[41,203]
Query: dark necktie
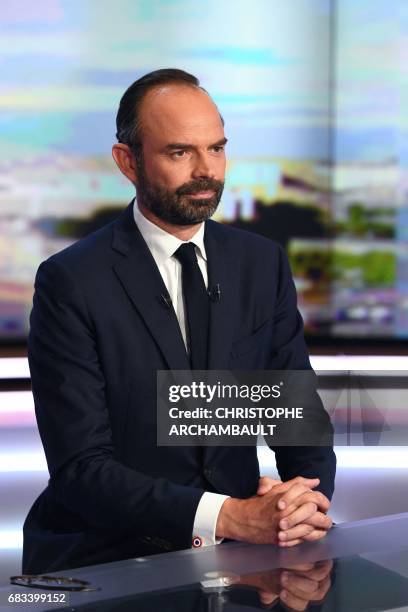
[197,305]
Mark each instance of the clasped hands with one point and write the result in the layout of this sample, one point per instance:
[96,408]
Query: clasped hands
[283,513]
[303,510]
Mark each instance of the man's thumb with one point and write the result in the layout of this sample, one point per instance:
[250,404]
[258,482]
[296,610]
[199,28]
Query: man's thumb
[266,484]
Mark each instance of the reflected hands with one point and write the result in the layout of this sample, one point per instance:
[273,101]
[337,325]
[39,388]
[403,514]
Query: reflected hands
[296,587]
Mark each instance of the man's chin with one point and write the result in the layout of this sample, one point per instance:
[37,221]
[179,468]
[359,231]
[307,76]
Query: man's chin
[188,220]
[196,212]
[184,210]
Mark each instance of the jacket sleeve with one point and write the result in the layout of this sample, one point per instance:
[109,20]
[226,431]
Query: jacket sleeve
[69,394]
[290,353]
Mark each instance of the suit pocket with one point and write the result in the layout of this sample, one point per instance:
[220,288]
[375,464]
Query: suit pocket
[256,340]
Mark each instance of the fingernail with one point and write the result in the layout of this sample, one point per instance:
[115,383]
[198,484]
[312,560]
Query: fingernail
[283,594]
[281,504]
[282,535]
[284,524]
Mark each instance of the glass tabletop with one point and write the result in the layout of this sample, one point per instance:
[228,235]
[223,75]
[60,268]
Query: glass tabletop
[359,583]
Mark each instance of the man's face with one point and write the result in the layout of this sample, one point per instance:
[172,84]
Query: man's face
[180,175]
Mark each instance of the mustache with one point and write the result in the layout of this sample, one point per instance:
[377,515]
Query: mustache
[198,185]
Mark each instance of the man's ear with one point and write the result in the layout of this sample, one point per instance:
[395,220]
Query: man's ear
[125,160]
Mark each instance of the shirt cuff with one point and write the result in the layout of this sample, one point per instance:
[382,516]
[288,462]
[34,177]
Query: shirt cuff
[205,520]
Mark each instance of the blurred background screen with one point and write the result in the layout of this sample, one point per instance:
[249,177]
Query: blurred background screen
[312,96]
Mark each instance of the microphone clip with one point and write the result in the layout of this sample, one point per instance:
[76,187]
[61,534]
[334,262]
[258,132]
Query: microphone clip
[215,293]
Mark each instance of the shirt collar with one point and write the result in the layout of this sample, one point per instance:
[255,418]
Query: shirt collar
[162,244]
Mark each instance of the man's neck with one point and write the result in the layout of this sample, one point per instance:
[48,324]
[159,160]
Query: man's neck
[182,232]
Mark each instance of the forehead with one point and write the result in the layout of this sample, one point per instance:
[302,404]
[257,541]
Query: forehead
[179,113]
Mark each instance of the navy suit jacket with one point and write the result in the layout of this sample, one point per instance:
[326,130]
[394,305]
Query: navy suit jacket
[99,332]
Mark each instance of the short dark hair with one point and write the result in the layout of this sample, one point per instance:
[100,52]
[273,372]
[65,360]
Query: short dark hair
[127,120]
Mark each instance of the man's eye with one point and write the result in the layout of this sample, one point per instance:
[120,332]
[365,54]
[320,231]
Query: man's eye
[179,154]
[218,148]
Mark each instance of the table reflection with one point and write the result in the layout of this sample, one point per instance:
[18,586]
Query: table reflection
[349,584]
[296,587]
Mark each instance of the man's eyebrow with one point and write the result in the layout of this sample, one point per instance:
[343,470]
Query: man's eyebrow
[220,143]
[184,145]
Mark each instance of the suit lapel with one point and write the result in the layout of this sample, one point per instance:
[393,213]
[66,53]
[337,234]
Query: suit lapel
[140,277]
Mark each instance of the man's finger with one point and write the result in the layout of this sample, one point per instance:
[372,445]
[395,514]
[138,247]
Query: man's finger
[309,483]
[283,544]
[315,571]
[266,484]
[321,570]
[323,589]
[293,493]
[319,521]
[316,497]
[302,568]
[304,514]
[316,534]
[291,601]
[300,531]
[267,598]
[299,584]
[321,500]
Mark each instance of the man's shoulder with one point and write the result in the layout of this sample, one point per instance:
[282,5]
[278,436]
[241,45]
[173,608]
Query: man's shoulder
[85,250]
[89,250]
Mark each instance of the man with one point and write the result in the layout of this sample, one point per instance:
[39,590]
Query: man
[119,305]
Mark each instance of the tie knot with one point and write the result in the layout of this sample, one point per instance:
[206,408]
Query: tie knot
[186,253]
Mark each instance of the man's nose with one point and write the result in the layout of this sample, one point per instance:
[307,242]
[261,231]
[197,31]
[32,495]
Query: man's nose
[203,168]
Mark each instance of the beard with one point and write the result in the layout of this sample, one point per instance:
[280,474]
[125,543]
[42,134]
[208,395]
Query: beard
[176,207]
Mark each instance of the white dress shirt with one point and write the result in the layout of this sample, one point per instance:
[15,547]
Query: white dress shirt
[162,246]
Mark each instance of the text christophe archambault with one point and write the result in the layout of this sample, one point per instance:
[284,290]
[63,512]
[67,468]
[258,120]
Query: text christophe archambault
[200,413]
